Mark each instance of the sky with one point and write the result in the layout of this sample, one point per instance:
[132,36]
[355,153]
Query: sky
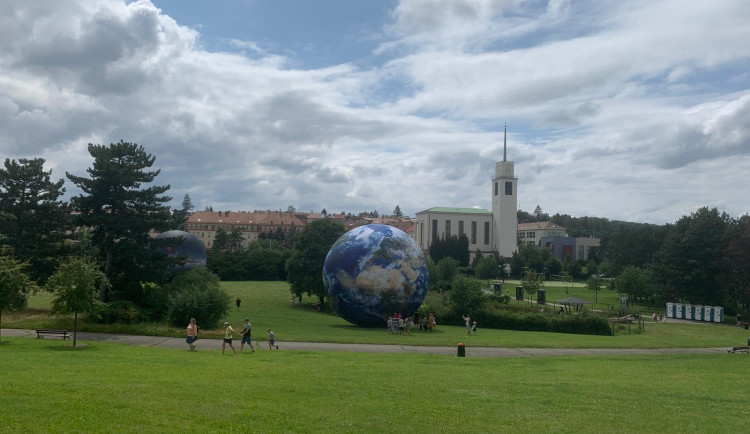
[632,110]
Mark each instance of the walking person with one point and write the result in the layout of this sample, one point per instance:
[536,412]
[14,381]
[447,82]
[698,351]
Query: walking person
[192,334]
[237,302]
[246,338]
[271,339]
[468,323]
[409,323]
[228,338]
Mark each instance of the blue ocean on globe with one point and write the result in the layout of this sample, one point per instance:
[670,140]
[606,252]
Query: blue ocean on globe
[374,271]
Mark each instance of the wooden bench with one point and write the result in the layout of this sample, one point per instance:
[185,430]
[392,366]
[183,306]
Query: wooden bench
[40,334]
[739,350]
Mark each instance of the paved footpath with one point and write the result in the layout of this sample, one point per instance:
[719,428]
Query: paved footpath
[215,344]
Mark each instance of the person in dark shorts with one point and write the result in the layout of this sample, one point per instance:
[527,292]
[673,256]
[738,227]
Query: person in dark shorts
[237,302]
[271,339]
[246,335]
[228,338]
[192,334]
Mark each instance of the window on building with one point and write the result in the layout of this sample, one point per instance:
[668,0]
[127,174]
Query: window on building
[434,229]
[473,232]
[486,232]
[447,229]
[460,227]
[508,188]
[580,252]
[496,188]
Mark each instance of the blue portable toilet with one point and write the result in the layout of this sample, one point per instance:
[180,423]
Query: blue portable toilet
[718,314]
[698,314]
[679,310]
[688,311]
[670,310]
[708,313]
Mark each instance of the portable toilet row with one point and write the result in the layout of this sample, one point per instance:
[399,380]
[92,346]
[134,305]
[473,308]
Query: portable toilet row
[697,312]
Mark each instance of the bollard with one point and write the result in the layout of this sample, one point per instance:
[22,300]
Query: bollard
[461,350]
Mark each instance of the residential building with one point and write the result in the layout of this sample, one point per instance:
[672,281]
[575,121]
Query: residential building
[532,233]
[569,248]
[204,224]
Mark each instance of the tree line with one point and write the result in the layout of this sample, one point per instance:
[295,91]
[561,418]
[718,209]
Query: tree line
[699,259]
[96,253]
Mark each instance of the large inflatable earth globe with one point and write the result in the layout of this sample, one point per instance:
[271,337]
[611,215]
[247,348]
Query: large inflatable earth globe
[191,249]
[374,271]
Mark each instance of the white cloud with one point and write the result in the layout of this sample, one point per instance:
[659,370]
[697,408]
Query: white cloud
[613,107]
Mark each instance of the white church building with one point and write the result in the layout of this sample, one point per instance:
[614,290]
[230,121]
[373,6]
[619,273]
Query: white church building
[487,230]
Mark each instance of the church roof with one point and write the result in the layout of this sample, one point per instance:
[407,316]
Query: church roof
[457,210]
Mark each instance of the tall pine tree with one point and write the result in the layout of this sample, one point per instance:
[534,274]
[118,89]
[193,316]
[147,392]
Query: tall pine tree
[121,206]
[32,218]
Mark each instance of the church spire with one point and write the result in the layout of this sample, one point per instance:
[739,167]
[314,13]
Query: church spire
[505,143]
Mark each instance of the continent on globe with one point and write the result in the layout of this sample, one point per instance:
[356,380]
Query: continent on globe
[374,271]
[190,249]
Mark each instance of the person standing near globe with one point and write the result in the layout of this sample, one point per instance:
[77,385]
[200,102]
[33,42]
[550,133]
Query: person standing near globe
[468,323]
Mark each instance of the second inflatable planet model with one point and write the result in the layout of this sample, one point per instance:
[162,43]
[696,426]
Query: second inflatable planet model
[190,249]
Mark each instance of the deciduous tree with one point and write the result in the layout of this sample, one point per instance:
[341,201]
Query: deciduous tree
[74,285]
[15,284]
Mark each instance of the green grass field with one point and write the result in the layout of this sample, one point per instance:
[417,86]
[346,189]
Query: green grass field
[267,305]
[49,386]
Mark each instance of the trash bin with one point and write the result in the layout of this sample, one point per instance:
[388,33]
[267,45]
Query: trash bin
[496,287]
[541,296]
[461,350]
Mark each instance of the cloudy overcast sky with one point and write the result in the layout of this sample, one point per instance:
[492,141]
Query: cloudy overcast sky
[633,110]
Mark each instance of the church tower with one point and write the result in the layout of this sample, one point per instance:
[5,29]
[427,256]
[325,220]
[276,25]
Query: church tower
[504,205]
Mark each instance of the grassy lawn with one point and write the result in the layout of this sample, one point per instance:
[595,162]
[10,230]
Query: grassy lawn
[267,305]
[48,386]
[555,291]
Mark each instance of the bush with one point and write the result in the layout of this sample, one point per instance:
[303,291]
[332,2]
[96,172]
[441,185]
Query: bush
[466,295]
[532,320]
[197,294]
[121,312]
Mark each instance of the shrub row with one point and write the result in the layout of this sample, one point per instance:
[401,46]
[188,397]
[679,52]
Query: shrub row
[584,323]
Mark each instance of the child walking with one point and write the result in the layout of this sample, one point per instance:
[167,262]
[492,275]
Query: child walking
[271,339]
